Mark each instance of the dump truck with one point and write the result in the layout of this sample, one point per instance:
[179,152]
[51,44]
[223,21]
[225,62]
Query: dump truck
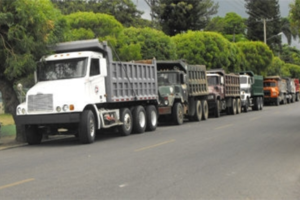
[291,90]
[224,92]
[275,90]
[80,89]
[252,91]
[182,91]
[296,81]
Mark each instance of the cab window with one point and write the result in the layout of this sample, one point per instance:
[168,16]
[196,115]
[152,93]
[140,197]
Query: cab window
[95,68]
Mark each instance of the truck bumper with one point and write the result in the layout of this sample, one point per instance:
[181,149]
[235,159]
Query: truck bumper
[164,110]
[48,119]
[269,100]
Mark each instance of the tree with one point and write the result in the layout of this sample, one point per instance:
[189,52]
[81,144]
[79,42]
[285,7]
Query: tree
[88,25]
[216,24]
[289,31]
[208,48]
[290,55]
[264,11]
[295,15]
[124,11]
[177,16]
[258,56]
[26,27]
[145,43]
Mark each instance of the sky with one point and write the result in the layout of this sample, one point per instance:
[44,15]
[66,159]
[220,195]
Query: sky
[225,6]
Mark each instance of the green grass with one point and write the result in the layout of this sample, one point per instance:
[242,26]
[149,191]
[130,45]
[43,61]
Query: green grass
[8,127]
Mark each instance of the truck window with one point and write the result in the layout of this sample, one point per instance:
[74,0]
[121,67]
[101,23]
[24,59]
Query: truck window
[167,78]
[95,68]
[243,80]
[61,69]
[269,84]
[212,80]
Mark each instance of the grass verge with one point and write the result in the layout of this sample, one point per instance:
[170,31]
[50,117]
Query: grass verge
[8,127]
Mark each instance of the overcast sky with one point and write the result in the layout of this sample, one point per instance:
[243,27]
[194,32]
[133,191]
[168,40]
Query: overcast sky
[225,6]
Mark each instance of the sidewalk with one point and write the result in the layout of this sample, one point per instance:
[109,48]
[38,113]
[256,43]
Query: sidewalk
[9,142]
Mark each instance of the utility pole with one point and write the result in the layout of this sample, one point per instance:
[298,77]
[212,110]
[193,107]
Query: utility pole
[264,20]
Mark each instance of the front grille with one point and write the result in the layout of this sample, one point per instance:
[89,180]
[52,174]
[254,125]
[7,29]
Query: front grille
[40,102]
[267,92]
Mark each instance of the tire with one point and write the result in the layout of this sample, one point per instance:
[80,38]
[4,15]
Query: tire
[233,107]
[238,106]
[198,111]
[297,97]
[139,119]
[205,111]
[246,107]
[217,110]
[177,113]
[277,103]
[256,103]
[33,135]
[125,117]
[151,117]
[87,127]
[261,103]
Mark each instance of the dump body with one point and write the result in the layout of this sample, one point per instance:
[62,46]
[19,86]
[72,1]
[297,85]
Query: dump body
[224,92]
[296,81]
[180,86]
[251,90]
[81,84]
[291,89]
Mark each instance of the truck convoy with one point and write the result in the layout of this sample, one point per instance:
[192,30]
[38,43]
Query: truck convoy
[224,92]
[275,90]
[252,91]
[80,89]
[182,91]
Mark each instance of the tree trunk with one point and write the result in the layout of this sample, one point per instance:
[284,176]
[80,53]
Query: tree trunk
[11,101]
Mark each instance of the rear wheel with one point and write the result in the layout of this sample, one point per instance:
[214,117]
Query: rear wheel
[233,106]
[297,97]
[239,106]
[198,114]
[277,101]
[125,117]
[87,127]
[261,103]
[33,135]
[139,119]
[255,103]
[151,117]
[204,110]
[178,113]
[217,109]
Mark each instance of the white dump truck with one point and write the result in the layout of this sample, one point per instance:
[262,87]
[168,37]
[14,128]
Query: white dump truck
[80,89]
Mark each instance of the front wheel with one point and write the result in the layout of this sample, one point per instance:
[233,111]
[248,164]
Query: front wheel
[178,113]
[205,110]
[87,127]
[238,106]
[217,109]
[33,136]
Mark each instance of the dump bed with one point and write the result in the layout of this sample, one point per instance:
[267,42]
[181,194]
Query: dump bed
[197,81]
[232,85]
[296,81]
[125,81]
[290,85]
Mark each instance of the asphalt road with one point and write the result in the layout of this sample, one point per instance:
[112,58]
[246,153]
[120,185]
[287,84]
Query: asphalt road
[253,155]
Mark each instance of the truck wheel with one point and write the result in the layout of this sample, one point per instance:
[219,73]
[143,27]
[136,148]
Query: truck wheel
[87,127]
[139,119]
[198,111]
[177,113]
[238,106]
[125,117]
[233,107]
[33,136]
[246,107]
[151,117]
[204,110]
[277,101]
[261,103]
[297,97]
[217,109]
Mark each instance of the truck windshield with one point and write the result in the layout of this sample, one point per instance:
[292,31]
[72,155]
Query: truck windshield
[212,80]
[167,78]
[61,69]
[269,84]
[243,80]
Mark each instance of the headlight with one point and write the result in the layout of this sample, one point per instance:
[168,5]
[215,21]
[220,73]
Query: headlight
[65,107]
[58,108]
[19,111]
[166,102]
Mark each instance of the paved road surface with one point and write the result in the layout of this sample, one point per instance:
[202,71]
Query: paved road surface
[253,155]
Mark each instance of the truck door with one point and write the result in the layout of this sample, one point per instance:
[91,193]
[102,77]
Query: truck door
[97,75]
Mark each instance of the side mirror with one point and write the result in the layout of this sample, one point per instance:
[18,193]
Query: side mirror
[222,80]
[103,66]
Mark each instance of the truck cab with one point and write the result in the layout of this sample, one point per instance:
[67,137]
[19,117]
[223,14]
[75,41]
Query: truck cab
[272,90]
[246,81]
[215,86]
